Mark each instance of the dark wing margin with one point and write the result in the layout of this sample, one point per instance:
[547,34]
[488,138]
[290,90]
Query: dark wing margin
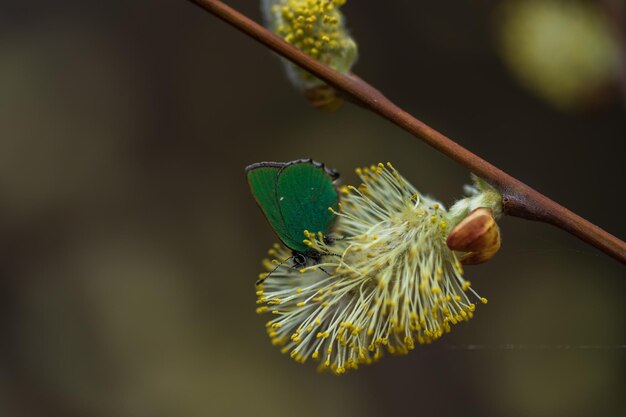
[332,173]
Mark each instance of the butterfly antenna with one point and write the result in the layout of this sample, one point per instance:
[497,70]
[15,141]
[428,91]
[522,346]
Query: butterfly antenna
[261,280]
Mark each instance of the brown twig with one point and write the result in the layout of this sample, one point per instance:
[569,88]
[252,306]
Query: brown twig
[519,200]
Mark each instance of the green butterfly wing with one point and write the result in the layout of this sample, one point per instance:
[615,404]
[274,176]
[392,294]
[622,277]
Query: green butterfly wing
[263,181]
[294,197]
[305,192]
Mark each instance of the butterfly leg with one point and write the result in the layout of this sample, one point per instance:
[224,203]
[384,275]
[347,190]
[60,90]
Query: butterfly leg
[324,271]
[330,238]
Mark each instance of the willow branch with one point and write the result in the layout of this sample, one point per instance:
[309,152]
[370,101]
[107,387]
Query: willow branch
[519,199]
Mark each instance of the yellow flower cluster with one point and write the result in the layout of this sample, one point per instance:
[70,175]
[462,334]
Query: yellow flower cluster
[311,26]
[386,283]
[317,28]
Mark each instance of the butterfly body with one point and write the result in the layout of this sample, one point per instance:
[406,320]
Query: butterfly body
[296,196]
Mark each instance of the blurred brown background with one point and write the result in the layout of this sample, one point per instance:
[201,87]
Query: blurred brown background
[129,242]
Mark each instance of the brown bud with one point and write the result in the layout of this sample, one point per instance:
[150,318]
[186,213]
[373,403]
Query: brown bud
[323,97]
[478,235]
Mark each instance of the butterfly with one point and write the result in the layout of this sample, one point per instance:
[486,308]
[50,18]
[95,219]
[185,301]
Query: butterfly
[296,196]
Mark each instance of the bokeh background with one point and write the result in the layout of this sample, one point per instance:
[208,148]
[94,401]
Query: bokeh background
[129,242]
